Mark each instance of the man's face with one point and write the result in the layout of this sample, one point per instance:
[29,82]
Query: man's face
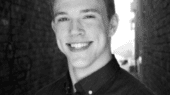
[82,30]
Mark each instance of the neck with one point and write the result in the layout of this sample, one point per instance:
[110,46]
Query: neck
[77,74]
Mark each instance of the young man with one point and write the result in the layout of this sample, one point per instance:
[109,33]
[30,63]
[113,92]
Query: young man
[83,30]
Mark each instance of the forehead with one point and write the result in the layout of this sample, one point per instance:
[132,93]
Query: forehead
[66,5]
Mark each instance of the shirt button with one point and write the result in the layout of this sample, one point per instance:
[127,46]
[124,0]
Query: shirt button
[90,92]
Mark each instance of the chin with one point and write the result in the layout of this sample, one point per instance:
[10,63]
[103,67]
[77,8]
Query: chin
[80,64]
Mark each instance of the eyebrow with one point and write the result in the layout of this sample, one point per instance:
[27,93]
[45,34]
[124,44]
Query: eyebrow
[82,11]
[90,10]
[59,13]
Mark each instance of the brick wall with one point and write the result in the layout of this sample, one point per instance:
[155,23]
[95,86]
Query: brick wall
[29,56]
[155,19]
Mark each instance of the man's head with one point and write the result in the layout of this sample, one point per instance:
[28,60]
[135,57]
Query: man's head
[83,31]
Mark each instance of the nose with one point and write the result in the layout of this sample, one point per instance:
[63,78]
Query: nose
[76,28]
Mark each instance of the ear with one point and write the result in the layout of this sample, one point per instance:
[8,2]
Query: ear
[113,24]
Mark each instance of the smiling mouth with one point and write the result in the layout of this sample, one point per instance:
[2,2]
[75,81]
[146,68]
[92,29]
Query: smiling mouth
[79,46]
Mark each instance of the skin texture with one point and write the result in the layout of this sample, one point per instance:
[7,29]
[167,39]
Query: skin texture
[81,21]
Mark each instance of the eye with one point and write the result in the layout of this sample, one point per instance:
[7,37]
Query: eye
[63,19]
[89,16]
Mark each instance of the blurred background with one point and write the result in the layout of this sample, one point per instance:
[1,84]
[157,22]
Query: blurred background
[123,42]
[30,58]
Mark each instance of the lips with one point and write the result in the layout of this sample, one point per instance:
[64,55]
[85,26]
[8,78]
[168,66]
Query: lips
[79,46]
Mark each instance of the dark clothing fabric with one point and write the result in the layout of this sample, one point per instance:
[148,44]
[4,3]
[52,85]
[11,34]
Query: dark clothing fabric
[109,80]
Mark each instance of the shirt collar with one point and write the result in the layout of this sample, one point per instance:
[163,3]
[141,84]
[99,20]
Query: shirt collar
[97,79]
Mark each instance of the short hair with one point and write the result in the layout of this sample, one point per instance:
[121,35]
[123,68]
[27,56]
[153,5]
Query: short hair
[110,7]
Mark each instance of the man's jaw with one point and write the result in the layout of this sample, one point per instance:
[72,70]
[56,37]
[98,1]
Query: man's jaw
[79,46]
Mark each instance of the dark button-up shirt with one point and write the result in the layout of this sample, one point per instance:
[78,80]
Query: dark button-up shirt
[109,80]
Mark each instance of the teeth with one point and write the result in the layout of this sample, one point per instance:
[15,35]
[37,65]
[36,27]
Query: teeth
[79,45]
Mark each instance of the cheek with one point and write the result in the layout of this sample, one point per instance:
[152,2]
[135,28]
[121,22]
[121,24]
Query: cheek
[60,37]
[96,29]
[59,40]
[61,31]
[98,33]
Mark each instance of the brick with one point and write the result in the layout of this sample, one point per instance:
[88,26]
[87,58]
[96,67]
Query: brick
[4,38]
[31,35]
[155,45]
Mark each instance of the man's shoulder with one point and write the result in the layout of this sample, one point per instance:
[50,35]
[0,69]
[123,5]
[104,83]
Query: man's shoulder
[126,83]
[52,87]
